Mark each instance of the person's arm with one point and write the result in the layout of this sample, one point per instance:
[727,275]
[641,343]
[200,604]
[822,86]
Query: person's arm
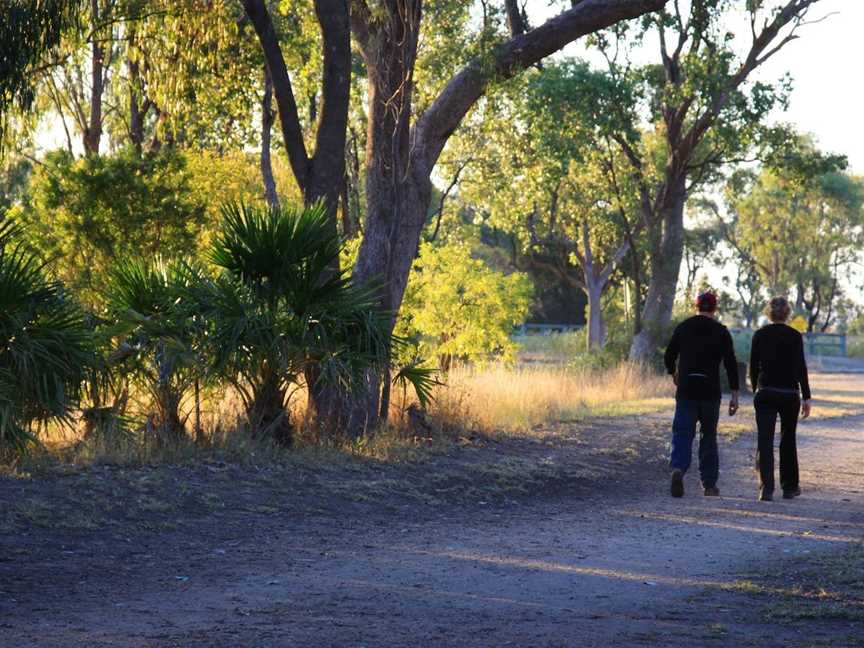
[670,357]
[803,379]
[754,363]
[731,363]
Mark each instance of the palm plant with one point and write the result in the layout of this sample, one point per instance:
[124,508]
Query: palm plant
[280,310]
[158,334]
[46,348]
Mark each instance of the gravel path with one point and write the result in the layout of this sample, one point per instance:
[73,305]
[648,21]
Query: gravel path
[617,564]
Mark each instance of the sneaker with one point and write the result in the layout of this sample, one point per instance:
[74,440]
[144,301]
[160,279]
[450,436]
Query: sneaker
[712,491]
[791,494]
[765,496]
[677,487]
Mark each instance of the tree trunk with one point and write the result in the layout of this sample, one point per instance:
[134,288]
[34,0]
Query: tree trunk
[397,193]
[266,412]
[320,176]
[136,113]
[267,116]
[93,131]
[400,160]
[665,268]
[596,326]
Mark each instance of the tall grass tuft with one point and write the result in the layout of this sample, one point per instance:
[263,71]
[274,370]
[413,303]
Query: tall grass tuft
[518,399]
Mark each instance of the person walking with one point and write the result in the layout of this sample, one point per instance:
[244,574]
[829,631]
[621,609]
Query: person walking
[778,374]
[698,345]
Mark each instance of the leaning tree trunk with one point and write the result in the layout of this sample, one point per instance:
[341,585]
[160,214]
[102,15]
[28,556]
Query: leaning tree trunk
[665,268]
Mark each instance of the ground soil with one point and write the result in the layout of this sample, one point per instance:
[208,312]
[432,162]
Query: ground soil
[564,538]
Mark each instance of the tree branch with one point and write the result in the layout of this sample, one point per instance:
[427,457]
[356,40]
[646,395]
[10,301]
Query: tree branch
[446,193]
[516,22]
[289,118]
[444,115]
[333,16]
[792,12]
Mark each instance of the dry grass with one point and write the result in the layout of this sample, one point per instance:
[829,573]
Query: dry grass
[516,400]
[490,400]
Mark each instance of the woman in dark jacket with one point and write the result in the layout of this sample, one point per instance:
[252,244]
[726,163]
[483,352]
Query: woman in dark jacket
[778,373]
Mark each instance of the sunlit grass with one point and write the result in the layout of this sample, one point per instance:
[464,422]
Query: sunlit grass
[519,399]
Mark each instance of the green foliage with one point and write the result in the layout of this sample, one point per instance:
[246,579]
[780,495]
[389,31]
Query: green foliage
[196,66]
[29,29]
[88,214]
[421,379]
[46,349]
[855,346]
[218,178]
[743,341]
[159,335]
[462,309]
[555,347]
[801,232]
[611,355]
[280,311]
[14,177]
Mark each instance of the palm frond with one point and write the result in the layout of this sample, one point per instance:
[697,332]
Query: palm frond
[423,380]
[46,345]
[276,251]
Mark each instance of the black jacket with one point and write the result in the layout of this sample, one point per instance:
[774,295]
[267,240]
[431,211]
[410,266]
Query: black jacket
[699,344]
[777,360]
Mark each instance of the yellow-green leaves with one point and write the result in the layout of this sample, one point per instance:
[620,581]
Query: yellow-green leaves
[464,309]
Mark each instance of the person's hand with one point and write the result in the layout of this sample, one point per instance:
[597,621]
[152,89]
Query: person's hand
[675,378]
[805,408]
[733,404]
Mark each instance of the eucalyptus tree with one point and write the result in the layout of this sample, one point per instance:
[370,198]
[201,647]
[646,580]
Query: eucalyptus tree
[802,232]
[557,182]
[408,122]
[75,76]
[705,112]
[30,29]
[402,145]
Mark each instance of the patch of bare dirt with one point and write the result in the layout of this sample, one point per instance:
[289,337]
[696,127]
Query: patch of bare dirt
[564,538]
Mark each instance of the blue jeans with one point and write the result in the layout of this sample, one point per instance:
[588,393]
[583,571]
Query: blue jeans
[687,414]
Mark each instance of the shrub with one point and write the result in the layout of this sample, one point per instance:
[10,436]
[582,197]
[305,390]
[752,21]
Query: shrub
[462,309]
[159,334]
[279,311]
[93,212]
[46,348]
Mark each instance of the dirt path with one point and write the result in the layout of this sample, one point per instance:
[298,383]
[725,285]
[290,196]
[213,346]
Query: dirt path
[614,562]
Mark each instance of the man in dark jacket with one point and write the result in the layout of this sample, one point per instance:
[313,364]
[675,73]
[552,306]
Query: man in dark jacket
[698,346]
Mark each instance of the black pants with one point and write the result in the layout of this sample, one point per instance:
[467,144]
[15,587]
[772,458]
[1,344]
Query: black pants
[768,406]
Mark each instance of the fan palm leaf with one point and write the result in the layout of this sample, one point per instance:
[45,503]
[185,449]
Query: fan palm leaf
[46,347]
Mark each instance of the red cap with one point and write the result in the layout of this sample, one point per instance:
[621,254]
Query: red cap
[706,302]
